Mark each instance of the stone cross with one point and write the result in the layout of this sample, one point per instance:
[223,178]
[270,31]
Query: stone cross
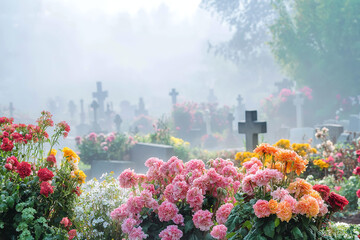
[100,96]
[95,106]
[208,122]
[298,102]
[141,110]
[285,83]
[117,121]
[11,109]
[82,113]
[173,95]
[240,108]
[251,128]
[72,108]
[230,121]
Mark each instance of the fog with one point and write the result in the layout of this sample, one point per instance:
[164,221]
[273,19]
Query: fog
[59,49]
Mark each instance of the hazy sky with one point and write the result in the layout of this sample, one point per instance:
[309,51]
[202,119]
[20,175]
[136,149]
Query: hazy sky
[60,48]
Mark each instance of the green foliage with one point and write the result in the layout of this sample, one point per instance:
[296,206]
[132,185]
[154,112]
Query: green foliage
[317,43]
[114,146]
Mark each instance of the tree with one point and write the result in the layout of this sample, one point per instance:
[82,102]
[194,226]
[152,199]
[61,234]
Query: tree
[317,43]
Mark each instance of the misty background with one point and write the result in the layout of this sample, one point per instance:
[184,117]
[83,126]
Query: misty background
[52,49]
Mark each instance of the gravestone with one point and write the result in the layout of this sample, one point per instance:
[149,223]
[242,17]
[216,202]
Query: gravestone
[230,120]
[82,113]
[100,96]
[140,152]
[99,167]
[335,130]
[212,98]
[345,138]
[141,109]
[354,123]
[301,135]
[127,111]
[298,102]
[117,121]
[173,95]
[251,128]
[11,109]
[83,128]
[95,126]
[208,122]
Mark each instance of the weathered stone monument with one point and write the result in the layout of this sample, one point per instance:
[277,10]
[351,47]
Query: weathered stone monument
[251,128]
[100,96]
[173,95]
[117,121]
[141,109]
[95,125]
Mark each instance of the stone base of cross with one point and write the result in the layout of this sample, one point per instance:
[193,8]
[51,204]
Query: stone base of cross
[251,128]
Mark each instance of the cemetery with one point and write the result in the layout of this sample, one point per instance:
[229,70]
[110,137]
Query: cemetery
[117,123]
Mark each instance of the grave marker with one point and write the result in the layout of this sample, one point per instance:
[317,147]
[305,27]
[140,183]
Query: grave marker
[82,113]
[173,95]
[298,102]
[100,96]
[251,128]
[72,108]
[230,119]
[141,110]
[117,122]
[95,106]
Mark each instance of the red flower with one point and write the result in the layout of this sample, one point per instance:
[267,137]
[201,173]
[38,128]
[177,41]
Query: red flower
[51,159]
[356,171]
[358,193]
[46,189]
[24,169]
[13,161]
[72,234]
[66,222]
[337,202]
[45,174]
[323,190]
[7,145]
[8,166]
[77,191]
[357,152]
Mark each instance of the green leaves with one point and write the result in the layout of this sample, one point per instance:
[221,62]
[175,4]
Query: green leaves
[269,229]
[296,233]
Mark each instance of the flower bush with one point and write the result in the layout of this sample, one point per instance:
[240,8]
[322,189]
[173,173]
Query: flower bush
[280,204]
[114,146]
[176,200]
[37,191]
[92,210]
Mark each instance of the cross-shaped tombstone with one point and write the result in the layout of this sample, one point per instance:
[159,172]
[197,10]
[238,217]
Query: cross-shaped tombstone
[240,108]
[95,106]
[251,128]
[117,121]
[230,121]
[82,113]
[173,95]
[285,83]
[298,102]
[100,96]
[11,109]
[141,110]
[72,108]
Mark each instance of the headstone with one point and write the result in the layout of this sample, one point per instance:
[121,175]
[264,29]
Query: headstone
[118,122]
[298,102]
[108,111]
[345,138]
[100,96]
[230,120]
[251,128]
[335,130]
[99,167]
[212,98]
[301,135]
[140,152]
[11,109]
[173,95]
[141,109]
[285,83]
[95,107]
[354,123]
[127,111]
[240,109]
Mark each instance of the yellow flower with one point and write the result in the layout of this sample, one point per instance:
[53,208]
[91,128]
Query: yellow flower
[53,152]
[321,163]
[283,143]
[81,176]
[70,154]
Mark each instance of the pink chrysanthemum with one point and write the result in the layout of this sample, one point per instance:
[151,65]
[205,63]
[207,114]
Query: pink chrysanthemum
[223,213]
[219,232]
[202,220]
[261,208]
[172,232]
[167,211]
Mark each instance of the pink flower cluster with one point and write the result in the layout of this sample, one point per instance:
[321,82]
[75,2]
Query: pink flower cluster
[170,186]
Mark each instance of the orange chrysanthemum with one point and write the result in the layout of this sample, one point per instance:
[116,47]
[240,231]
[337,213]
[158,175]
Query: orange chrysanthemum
[283,211]
[266,148]
[300,187]
[285,155]
[273,205]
